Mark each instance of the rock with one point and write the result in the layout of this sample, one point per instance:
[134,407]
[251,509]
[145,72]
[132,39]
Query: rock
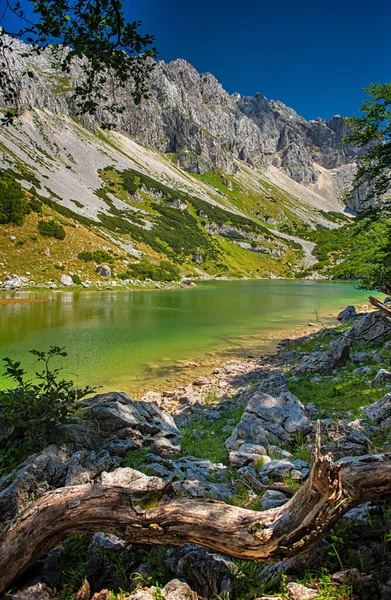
[370,327]
[198,258]
[278,470]
[378,357]
[241,459]
[140,482]
[277,452]
[104,270]
[13,283]
[39,591]
[66,280]
[102,595]
[341,440]
[200,489]
[85,465]
[117,416]
[84,591]
[164,448]
[378,411]
[382,377]
[316,362]
[360,371]
[272,499]
[269,420]
[360,357]
[346,576]
[177,590]
[296,591]
[108,541]
[347,315]
[208,573]
[200,381]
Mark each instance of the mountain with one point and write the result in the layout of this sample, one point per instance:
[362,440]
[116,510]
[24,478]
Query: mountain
[214,183]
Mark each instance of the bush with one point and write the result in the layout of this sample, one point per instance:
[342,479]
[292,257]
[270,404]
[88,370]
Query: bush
[165,271]
[13,206]
[98,256]
[31,409]
[51,229]
[76,279]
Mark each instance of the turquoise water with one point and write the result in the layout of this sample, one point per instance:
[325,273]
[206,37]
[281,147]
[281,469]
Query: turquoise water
[133,341]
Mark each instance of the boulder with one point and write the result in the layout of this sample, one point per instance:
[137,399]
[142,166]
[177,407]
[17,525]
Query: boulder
[66,280]
[342,440]
[382,377]
[12,283]
[39,591]
[360,371]
[200,489]
[104,270]
[208,573]
[297,591]
[316,362]
[164,448]
[269,420]
[272,499]
[361,357]
[347,315]
[378,411]
[278,470]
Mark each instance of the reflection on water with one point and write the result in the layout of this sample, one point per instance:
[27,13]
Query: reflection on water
[130,340]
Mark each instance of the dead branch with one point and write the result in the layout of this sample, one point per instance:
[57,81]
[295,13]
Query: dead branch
[271,535]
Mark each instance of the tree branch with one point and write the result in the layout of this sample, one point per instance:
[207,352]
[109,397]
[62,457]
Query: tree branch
[271,535]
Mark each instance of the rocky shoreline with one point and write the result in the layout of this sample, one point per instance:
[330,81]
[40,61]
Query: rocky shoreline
[243,435]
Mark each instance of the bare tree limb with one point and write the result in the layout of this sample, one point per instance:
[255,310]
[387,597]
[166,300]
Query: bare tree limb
[271,535]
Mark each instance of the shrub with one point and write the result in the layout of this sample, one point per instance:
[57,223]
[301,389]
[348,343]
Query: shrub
[98,256]
[51,229]
[13,206]
[165,271]
[76,279]
[30,410]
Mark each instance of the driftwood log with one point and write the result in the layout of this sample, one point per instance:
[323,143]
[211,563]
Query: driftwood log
[272,535]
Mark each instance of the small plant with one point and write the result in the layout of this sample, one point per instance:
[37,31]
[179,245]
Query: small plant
[30,410]
[51,229]
[98,256]
[76,279]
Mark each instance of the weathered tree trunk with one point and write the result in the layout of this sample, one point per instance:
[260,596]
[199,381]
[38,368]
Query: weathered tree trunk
[381,305]
[271,535]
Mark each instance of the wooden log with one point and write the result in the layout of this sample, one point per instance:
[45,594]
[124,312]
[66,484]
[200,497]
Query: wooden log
[272,535]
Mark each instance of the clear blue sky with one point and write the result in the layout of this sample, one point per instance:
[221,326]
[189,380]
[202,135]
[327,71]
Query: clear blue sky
[313,56]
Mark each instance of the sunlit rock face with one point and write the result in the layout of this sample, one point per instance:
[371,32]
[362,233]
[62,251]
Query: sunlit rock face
[192,117]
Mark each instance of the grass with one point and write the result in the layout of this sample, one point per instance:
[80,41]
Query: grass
[211,443]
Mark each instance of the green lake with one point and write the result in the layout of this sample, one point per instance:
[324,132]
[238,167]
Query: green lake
[137,340]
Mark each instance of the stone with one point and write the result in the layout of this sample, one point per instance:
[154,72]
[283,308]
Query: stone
[102,595]
[198,258]
[104,270]
[84,592]
[360,371]
[164,448]
[207,572]
[272,499]
[316,362]
[239,459]
[341,440]
[66,280]
[382,377]
[378,411]
[201,489]
[378,357]
[297,591]
[360,357]
[268,420]
[123,476]
[200,381]
[347,315]
[39,591]
[13,283]
[346,576]
[177,590]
